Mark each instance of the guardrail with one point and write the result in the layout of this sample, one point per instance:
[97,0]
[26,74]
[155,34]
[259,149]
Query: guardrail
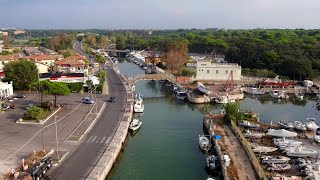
[139,77]
[254,161]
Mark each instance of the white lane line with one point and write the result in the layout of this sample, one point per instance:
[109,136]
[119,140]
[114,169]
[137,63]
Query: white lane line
[90,139]
[108,140]
[94,139]
[97,141]
[104,137]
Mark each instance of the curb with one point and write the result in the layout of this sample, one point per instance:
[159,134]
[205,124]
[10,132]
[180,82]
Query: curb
[42,121]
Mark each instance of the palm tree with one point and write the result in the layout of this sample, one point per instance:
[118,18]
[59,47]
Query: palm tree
[232,111]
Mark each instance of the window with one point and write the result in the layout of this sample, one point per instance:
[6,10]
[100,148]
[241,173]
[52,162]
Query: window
[208,71]
[217,71]
[199,69]
[2,62]
[226,71]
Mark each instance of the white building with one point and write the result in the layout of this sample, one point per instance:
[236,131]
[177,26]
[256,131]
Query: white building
[6,89]
[206,70]
[1,45]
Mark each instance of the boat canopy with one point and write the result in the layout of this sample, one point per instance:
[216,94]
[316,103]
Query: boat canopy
[281,133]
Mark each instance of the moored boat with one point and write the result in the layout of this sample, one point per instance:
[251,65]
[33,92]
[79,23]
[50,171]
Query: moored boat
[138,107]
[286,125]
[275,94]
[203,89]
[247,124]
[255,91]
[204,142]
[135,125]
[212,162]
[299,96]
[182,95]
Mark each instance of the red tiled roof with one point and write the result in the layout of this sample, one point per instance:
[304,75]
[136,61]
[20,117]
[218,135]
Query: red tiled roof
[40,57]
[6,57]
[70,62]
[76,57]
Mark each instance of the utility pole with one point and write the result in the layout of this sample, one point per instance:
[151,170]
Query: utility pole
[55,120]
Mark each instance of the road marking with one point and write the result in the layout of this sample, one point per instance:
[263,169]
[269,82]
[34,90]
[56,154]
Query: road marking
[90,139]
[94,139]
[97,141]
[108,140]
[104,137]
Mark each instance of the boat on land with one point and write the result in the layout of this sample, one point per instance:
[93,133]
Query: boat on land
[279,167]
[281,133]
[286,125]
[138,107]
[276,82]
[250,134]
[255,91]
[203,88]
[284,141]
[302,163]
[247,124]
[204,142]
[311,124]
[221,100]
[274,159]
[299,126]
[301,152]
[135,125]
[317,135]
[264,149]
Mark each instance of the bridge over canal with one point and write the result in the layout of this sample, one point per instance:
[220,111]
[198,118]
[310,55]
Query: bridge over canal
[140,77]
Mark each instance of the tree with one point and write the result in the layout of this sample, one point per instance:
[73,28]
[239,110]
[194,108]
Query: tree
[103,42]
[121,42]
[6,41]
[91,40]
[34,113]
[22,73]
[39,86]
[56,89]
[175,56]
[231,110]
[100,60]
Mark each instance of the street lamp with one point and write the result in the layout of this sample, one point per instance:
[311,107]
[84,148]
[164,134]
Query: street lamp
[55,121]
[95,83]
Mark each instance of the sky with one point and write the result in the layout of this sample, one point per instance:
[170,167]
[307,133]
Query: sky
[159,14]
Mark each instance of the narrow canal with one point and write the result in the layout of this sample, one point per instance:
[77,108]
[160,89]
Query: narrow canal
[166,146]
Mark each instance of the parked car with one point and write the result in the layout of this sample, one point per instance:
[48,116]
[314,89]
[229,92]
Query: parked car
[48,161]
[29,106]
[19,96]
[87,101]
[36,173]
[112,99]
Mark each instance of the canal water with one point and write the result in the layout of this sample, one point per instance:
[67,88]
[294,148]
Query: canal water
[166,146]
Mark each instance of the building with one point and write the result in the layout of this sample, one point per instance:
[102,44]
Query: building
[30,51]
[64,77]
[44,59]
[16,32]
[6,89]
[42,68]
[1,45]
[3,33]
[4,60]
[70,65]
[48,51]
[207,70]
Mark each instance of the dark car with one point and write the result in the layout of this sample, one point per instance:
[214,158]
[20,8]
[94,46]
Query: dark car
[48,161]
[19,96]
[112,99]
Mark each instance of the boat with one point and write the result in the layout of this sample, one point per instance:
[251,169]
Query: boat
[138,107]
[275,94]
[311,124]
[175,88]
[135,125]
[279,167]
[138,98]
[182,95]
[203,89]
[221,100]
[249,134]
[286,125]
[264,149]
[283,95]
[204,142]
[282,177]
[276,82]
[212,162]
[247,124]
[210,178]
[301,152]
[284,141]
[299,96]
[255,91]
[299,126]
[274,159]
[312,172]
[302,163]
[281,133]
[317,135]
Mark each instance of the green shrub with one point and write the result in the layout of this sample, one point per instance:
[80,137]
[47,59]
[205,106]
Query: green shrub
[34,113]
[47,105]
[75,87]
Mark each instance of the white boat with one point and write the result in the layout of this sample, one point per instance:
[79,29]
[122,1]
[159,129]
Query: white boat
[212,162]
[221,100]
[301,152]
[135,125]
[281,133]
[311,124]
[299,96]
[138,98]
[282,177]
[248,124]
[202,88]
[249,134]
[255,91]
[283,95]
[264,149]
[302,163]
[312,172]
[175,88]
[279,167]
[317,135]
[286,125]
[299,126]
[275,94]
[182,95]
[275,159]
[284,141]
[138,107]
[286,146]
[204,142]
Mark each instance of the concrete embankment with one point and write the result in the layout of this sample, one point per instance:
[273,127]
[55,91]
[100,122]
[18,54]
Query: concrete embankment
[109,157]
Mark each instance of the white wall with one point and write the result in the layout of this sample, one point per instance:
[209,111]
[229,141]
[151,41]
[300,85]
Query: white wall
[205,70]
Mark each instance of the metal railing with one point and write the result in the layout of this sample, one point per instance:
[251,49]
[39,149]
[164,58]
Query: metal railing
[139,77]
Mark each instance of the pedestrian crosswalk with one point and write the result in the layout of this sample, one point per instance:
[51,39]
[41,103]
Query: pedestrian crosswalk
[98,139]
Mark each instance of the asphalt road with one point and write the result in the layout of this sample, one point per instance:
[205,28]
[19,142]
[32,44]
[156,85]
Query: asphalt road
[77,47]
[78,164]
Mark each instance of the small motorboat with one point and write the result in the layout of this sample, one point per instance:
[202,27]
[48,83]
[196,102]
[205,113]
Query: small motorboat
[301,152]
[256,135]
[255,91]
[299,95]
[286,125]
[264,149]
[221,100]
[181,95]
[274,159]
[299,126]
[275,94]
[204,142]
[282,177]
[317,135]
[284,141]
[212,162]
[247,124]
[302,163]
[311,124]
[279,167]
[135,125]
[138,107]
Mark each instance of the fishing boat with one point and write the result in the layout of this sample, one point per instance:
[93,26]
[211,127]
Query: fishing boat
[181,95]
[279,167]
[275,159]
[264,149]
[204,142]
[301,152]
[135,125]
[255,91]
[212,162]
[311,124]
[221,100]
[203,89]
[286,125]
[247,124]
[299,126]
[250,134]
[138,107]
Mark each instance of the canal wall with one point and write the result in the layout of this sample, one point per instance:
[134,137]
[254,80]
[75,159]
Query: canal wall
[113,149]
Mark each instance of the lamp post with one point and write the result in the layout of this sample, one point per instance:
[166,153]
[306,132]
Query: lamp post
[42,138]
[55,121]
